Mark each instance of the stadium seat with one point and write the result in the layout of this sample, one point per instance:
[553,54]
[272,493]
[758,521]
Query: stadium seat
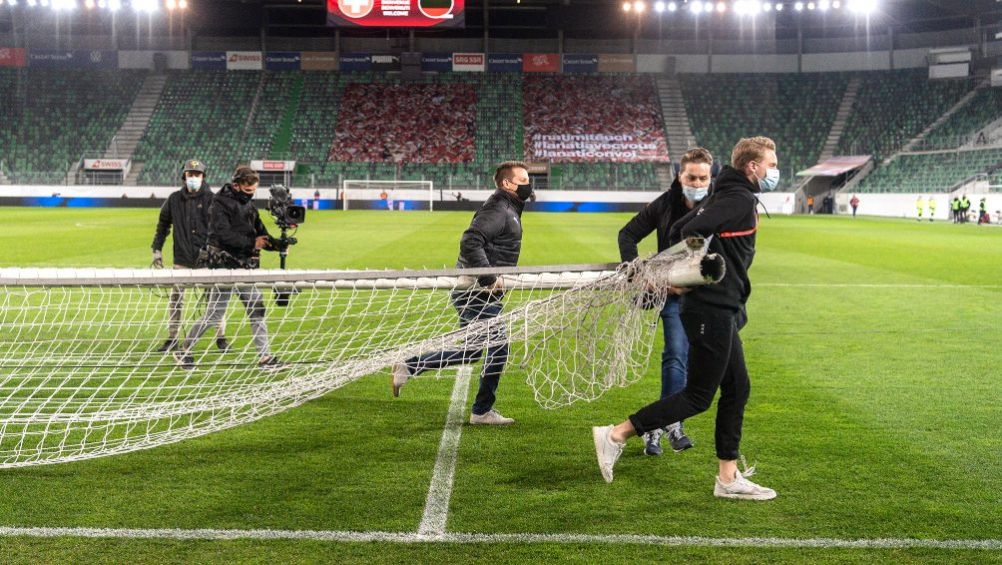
[984,108]
[55,117]
[936,172]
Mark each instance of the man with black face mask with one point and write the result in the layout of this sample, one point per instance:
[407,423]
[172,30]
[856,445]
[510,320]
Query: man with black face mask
[187,212]
[236,238]
[689,189]
[494,239]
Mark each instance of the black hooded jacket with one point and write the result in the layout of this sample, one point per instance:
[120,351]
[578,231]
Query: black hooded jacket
[234,223]
[494,238]
[188,214]
[659,215]
[728,215]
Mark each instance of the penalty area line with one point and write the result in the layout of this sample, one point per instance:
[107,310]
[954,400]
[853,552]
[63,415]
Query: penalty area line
[436,508]
[511,538]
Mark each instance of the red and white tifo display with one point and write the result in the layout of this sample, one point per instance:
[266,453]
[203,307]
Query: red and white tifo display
[396,13]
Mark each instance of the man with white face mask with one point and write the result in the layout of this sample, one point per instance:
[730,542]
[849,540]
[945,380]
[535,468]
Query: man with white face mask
[712,316]
[187,212]
[689,188]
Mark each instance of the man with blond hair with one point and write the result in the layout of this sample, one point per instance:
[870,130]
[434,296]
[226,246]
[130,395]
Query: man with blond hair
[712,316]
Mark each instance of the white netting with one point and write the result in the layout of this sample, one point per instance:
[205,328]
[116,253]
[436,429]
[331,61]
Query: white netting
[79,377]
[388,191]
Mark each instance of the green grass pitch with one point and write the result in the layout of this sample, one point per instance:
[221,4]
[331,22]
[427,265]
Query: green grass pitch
[875,411]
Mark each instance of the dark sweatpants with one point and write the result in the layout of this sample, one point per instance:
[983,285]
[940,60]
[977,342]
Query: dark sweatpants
[716,360]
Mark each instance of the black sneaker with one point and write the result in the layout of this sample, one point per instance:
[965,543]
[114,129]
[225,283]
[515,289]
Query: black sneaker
[184,360]
[652,442]
[222,344]
[272,363]
[677,438]
[169,345]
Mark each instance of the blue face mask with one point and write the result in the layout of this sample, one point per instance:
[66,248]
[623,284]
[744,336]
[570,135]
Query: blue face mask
[771,180]
[193,183]
[694,194]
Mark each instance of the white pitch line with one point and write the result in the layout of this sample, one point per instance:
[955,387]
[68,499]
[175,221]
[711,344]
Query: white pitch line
[436,508]
[523,538]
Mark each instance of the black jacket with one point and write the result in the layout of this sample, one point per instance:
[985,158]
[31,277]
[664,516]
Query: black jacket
[234,223]
[659,215]
[188,213]
[728,214]
[494,238]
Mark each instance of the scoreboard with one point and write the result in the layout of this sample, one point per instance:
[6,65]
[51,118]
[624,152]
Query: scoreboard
[396,13]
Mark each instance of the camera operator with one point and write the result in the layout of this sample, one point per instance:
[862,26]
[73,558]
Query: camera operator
[236,238]
[187,212]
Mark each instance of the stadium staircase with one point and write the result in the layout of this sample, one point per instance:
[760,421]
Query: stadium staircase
[677,128]
[841,117]
[960,105]
[123,145]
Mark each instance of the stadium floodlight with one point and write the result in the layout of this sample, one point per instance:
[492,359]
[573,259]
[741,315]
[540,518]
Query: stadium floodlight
[627,6]
[12,2]
[114,5]
[672,6]
[148,6]
[171,4]
[64,5]
[639,7]
[862,6]
[810,5]
[44,3]
[721,7]
[659,6]
[767,7]
[182,4]
[823,5]
[779,7]
[89,4]
[696,7]
[836,5]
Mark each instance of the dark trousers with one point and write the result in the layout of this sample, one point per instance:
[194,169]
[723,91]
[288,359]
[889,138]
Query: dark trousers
[716,360]
[473,307]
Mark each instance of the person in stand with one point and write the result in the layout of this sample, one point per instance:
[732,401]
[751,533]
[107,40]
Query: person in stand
[186,211]
[689,189]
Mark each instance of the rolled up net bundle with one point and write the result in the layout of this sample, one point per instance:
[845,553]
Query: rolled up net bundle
[80,376]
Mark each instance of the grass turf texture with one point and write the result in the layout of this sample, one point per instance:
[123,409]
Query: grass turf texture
[873,413]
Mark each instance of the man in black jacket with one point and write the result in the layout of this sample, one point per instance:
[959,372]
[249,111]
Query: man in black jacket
[690,187]
[187,211]
[712,316]
[236,238]
[494,239]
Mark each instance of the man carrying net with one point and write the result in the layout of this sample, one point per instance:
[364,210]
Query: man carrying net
[712,316]
[494,239]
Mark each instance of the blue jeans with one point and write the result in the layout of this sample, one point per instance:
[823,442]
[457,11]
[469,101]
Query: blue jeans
[473,307]
[675,355]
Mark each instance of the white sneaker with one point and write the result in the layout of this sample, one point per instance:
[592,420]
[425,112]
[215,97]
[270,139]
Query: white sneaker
[742,489]
[400,376]
[606,450]
[491,418]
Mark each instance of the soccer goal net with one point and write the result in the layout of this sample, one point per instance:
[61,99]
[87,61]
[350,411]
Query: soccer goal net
[80,377]
[388,194]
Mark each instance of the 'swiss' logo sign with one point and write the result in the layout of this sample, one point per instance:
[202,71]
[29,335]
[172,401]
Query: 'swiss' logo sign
[355,8]
[244,58]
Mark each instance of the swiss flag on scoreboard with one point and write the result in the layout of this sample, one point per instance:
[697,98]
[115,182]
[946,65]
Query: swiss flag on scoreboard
[396,13]
[541,63]
[11,57]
